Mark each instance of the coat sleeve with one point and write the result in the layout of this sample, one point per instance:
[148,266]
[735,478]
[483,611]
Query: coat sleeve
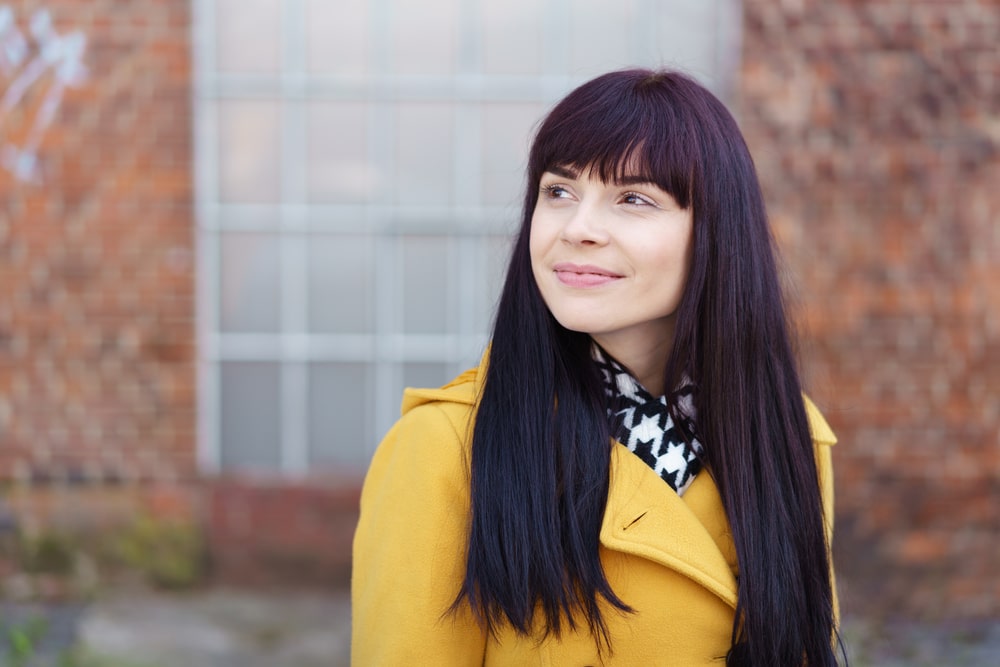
[409,550]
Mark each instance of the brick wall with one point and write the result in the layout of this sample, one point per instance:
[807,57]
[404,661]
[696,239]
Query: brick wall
[96,260]
[97,359]
[286,532]
[876,130]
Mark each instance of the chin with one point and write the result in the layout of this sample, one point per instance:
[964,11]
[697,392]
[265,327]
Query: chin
[586,325]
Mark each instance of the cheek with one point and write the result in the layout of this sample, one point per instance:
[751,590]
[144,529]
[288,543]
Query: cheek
[682,247]
[670,260]
[537,240]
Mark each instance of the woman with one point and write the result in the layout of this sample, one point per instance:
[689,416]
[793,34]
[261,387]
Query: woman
[632,475]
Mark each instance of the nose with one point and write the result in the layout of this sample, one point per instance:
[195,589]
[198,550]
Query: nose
[584,227]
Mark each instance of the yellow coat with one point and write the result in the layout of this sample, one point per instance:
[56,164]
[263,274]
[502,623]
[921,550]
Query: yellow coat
[669,557]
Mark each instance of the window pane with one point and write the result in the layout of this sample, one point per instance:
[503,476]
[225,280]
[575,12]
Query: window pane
[603,34]
[512,36]
[341,284]
[688,34]
[506,133]
[424,36]
[424,153]
[249,151]
[337,36]
[497,253]
[251,419]
[340,396]
[337,152]
[249,282]
[425,374]
[394,149]
[249,34]
[425,284]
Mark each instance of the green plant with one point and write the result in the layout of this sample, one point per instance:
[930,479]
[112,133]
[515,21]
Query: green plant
[21,639]
[78,657]
[48,553]
[19,642]
[170,553]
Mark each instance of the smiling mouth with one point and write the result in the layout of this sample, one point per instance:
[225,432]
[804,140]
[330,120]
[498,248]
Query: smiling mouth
[584,276]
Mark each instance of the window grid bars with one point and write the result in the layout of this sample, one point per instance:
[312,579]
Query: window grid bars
[465,222]
[205,168]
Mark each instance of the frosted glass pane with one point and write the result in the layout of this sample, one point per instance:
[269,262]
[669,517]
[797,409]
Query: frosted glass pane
[341,284]
[688,34]
[251,418]
[512,36]
[602,35]
[425,374]
[340,397]
[496,254]
[248,35]
[423,36]
[249,282]
[507,131]
[425,284]
[337,36]
[337,152]
[424,163]
[249,151]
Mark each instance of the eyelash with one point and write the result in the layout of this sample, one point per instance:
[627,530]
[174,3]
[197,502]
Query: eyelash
[635,195]
[555,191]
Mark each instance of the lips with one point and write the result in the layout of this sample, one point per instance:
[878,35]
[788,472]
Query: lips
[586,275]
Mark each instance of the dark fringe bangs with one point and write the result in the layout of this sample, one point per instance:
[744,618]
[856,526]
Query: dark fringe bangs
[622,133]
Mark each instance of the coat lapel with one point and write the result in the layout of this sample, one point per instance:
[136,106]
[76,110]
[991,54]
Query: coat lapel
[643,515]
[646,518]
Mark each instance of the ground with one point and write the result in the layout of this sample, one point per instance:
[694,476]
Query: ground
[238,628]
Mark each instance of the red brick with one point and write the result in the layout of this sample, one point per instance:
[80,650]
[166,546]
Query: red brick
[888,226]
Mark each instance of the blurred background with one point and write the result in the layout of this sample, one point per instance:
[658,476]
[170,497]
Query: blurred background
[231,231]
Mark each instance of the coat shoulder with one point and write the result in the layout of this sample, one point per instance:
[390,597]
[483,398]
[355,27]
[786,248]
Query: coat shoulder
[822,434]
[453,403]
[462,390]
[409,545]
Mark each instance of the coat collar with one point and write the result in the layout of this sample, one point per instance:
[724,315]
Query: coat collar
[643,515]
[689,534]
[646,518]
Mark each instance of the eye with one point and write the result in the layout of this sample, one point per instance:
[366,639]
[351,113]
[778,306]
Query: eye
[636,199]
[554,191]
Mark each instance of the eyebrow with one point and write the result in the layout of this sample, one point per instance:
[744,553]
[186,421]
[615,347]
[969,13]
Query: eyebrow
[563,172]
[632,179]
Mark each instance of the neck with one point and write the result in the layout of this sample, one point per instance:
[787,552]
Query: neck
[645,360]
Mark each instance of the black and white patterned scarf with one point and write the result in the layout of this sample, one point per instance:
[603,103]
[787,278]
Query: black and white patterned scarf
[644,424]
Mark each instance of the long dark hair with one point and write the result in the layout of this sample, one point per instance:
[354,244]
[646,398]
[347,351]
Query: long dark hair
[541,452]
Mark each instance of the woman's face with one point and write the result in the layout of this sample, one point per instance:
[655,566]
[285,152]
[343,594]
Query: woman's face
[610,259]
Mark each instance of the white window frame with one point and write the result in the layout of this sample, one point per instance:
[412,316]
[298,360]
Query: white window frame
[466,222]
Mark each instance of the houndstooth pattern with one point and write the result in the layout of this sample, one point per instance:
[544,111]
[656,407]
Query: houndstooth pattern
[644,424]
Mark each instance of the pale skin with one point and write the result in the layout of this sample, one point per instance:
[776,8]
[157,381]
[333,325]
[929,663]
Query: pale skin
[611,260]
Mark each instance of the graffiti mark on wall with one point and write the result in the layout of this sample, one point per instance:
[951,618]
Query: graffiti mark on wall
[44,62]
